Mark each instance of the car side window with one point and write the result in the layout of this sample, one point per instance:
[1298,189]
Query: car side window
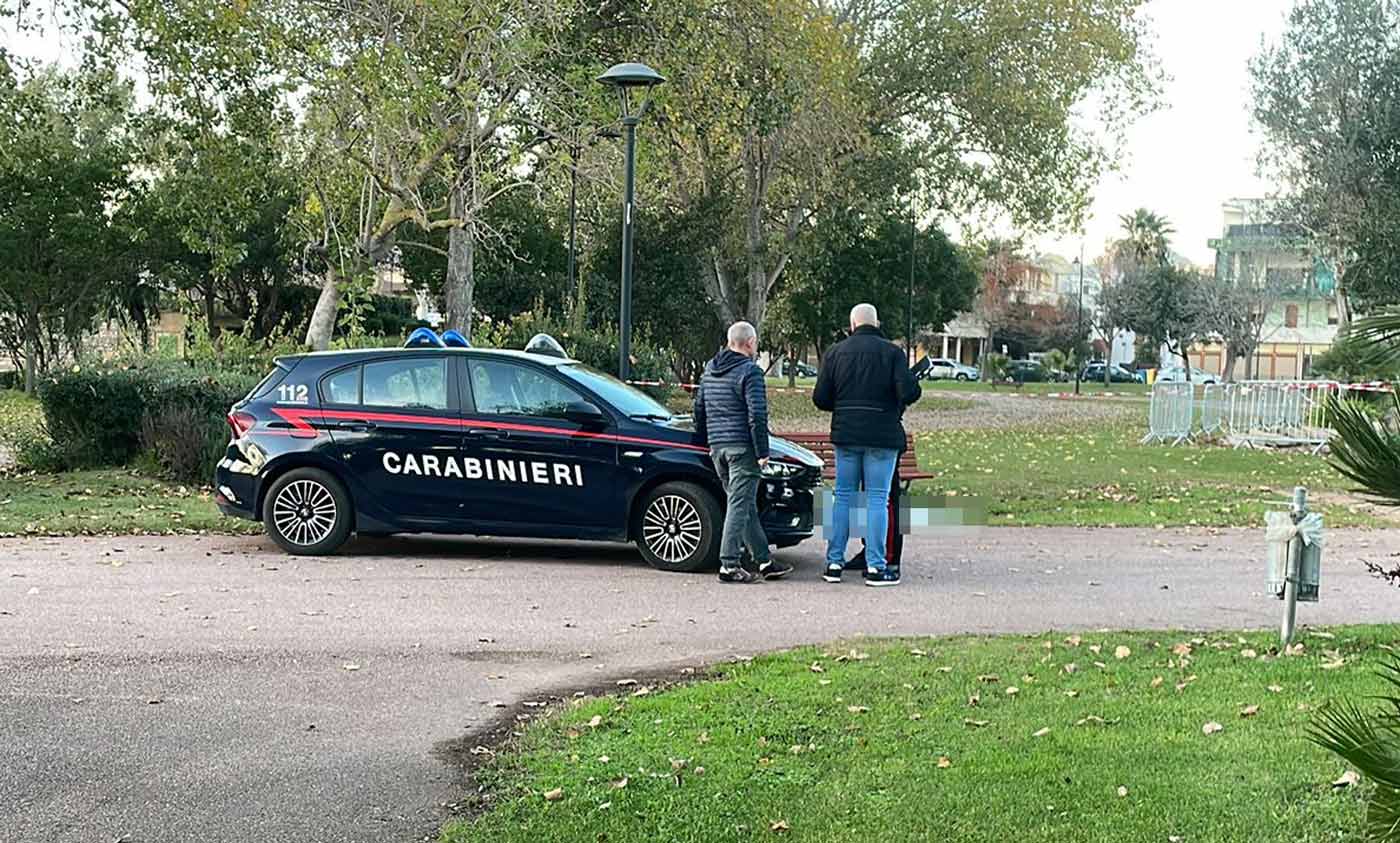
[341,387]
[416,383]
[504,388]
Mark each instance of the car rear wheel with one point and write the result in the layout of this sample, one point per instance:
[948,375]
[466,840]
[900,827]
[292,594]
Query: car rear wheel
[962,376]
[307,512]
[678,526]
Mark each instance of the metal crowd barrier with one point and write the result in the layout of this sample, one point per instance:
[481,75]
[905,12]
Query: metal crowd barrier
[1247,414]
[1170,413]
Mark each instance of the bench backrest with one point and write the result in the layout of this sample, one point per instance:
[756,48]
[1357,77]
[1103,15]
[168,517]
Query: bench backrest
[820,444]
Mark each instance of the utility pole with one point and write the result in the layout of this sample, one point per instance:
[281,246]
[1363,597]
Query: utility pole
[1079,320]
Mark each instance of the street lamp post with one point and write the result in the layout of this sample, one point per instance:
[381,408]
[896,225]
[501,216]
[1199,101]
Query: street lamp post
[626,78]
[913,244]
[1079,319]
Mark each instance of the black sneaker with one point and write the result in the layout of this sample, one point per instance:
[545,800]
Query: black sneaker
[877,579]
[774,570]
[833,572]
[739,575]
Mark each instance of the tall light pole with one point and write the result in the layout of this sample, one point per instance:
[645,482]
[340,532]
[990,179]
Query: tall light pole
[1079,319]
[626,78]
[913,244]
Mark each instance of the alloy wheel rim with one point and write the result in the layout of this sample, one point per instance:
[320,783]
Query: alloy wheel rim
[304,512]
[671,528]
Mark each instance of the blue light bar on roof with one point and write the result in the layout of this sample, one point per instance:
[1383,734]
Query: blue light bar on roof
[452,339]
[423,338]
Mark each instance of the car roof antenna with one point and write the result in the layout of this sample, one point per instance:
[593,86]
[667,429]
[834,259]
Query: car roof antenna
[453,339]
[423,338]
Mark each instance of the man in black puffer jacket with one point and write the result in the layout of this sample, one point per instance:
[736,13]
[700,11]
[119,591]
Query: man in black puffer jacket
[731,416]
[865,384]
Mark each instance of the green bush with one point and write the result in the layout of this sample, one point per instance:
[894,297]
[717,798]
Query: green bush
[22,434]
[995,366]
[1349,361]
[105,416]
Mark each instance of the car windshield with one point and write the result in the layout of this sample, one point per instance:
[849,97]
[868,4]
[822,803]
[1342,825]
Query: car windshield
[626,399]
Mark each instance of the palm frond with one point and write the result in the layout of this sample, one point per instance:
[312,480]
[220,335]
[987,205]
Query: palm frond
[1379,336]
[1366,451]
[1370,743]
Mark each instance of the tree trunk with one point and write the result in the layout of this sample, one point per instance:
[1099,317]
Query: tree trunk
[1230,358]
[31,356]
[209,308]
[318,332]
[461,255]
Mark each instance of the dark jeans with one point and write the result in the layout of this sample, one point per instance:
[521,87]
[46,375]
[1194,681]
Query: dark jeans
[739,472]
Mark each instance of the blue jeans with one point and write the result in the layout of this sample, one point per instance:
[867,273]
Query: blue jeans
[874,466]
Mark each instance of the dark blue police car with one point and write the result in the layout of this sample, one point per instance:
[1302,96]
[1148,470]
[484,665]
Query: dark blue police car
[435,438]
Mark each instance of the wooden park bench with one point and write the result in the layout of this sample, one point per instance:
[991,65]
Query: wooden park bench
[820,444]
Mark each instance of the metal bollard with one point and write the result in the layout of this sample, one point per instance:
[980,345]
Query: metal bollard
[1296,511]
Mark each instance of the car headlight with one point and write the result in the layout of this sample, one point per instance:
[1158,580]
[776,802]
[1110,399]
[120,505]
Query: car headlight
[780,469]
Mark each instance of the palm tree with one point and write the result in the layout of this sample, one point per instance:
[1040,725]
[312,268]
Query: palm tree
[1370,743]
[1368,451]
[1148,236]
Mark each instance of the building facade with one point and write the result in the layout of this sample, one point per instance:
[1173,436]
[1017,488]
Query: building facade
[1297,287]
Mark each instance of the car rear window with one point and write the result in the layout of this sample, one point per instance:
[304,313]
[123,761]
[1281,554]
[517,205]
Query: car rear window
[414,383]
[272,379]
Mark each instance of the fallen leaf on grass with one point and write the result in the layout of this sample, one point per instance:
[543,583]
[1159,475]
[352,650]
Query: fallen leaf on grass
[596,721]
[554,795]
[1275,689]
[1156,682]
[779,825]
[1212,728]
[944,762]
[1073,640]
[625,682]
[1095,649]
[817,668]
[1071,694]
[1122,791]
[1012,691]
[989,678]
[1333,665]
[1182,649]
[944,669]
[1249,711]
[1347,779]
[974,700]
[619,784]
[917,653]
[976,724]
[350,666]
[1248,654]
[703,737]
[857,709]
[1041,733]
[1122,652]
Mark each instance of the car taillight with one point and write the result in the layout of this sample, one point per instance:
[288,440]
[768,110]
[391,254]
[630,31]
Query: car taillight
[240,423]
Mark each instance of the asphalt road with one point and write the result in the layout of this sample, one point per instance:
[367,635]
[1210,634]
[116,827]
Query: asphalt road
[174,689]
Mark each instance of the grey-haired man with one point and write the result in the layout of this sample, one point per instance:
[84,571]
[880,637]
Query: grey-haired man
[731,416]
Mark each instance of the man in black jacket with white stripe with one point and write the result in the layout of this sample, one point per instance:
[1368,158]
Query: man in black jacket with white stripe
[731,416]
[865,384]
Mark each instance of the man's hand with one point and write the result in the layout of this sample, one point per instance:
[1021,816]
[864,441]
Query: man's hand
[763,463]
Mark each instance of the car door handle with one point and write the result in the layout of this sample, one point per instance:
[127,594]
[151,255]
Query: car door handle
[357,425]
[483,433]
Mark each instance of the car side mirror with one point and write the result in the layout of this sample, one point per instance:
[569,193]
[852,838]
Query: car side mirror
[584,414]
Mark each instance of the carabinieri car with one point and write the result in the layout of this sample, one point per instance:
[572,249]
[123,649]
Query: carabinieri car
[435,438]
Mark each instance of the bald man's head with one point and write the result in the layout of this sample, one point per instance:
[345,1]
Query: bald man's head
[864,314]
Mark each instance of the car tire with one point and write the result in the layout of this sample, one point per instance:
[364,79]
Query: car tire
[962,376]
[307,512]
[677,527]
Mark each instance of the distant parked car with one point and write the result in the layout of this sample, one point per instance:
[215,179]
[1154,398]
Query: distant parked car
[1177,374]
[804,370]
[1116,374]
[1029,371]
[942,368]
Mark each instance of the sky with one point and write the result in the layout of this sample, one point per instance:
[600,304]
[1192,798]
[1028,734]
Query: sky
[1198,149]
[1183,160]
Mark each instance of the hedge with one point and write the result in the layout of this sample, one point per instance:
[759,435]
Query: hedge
[108,416]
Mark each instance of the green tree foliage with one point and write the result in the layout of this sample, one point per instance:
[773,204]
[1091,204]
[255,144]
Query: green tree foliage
[865,258]
[1328,100]
[63,167]
[1162,305]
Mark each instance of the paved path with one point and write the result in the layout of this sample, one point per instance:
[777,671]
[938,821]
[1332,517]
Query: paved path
[173,689]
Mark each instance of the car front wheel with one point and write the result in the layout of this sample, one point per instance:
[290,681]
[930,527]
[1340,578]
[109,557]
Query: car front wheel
[307,512]
[677,527]
[962,376]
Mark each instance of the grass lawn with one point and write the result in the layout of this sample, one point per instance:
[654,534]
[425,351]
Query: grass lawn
[1085,388]
[1103,477]
[106,501]
[1099,739]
